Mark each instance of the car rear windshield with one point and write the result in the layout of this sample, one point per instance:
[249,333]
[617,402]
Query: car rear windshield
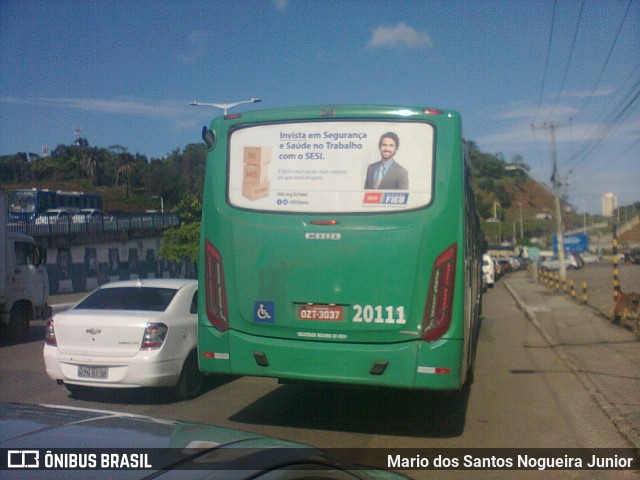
[129,298]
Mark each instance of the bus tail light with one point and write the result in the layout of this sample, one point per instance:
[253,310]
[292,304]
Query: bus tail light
[215,290]
[437,314]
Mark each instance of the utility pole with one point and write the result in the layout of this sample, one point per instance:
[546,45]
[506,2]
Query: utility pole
[556,193]
[521,230]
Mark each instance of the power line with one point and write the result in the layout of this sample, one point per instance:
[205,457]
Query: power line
[566,69]
[602,132]
[546,63]
[614,160]
[606,62]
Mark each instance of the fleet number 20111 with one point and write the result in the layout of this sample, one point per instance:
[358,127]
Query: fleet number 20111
[378,314]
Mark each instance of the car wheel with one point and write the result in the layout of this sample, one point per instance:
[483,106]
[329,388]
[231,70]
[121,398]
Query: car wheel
[191,378]
[77,390]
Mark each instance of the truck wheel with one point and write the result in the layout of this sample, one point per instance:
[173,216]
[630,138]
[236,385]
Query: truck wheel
[19,322]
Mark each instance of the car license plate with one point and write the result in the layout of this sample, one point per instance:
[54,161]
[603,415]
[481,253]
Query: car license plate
[93,372]
[331,313]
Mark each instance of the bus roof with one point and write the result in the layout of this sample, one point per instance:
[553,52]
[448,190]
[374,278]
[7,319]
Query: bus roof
[340,111]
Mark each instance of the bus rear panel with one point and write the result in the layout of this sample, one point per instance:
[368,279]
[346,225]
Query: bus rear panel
[322,262]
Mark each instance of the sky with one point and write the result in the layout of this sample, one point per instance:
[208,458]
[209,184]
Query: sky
[519,71]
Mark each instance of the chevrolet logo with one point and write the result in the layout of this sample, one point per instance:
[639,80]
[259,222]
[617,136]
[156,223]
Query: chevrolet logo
[93,331]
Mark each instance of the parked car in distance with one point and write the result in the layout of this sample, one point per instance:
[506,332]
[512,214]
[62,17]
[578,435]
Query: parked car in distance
[488,271]
[498,268]
[505,263]
[516,264]
[54,216]
[570,262]
[87,215]
[588,257]
[634,256]
[137,333]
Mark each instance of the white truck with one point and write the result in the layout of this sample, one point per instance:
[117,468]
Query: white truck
[24,283]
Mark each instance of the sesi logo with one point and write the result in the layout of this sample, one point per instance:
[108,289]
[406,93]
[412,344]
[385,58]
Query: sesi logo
[322,236]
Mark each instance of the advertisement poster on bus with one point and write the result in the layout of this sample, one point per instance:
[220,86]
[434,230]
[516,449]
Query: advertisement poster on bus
[331,167]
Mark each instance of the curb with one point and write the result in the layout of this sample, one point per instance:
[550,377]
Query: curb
[622,425]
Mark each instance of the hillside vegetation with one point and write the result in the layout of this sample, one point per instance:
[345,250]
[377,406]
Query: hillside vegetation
[126,181]
[133,182]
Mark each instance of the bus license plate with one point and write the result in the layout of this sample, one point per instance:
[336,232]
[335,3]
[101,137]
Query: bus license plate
[92,372]
[330,313]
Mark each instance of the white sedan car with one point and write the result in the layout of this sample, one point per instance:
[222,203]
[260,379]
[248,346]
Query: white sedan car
[139,333]
[570,263]
[488,270]
[589,257]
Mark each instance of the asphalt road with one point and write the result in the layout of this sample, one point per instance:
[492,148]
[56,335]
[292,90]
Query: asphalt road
[523,397]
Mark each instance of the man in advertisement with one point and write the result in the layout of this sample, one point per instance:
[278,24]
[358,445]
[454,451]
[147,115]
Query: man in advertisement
[387,174]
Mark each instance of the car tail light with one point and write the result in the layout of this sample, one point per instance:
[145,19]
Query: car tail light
[154,336]
[437,314]
[50,334]
[215,289]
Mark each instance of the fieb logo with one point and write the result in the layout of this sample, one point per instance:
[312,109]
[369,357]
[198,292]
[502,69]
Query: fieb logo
[395,198]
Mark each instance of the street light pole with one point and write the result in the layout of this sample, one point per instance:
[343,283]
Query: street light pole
[161,202]
[224,106]
[521,229]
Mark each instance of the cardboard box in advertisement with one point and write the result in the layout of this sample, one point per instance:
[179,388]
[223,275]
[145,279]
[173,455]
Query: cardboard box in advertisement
[257,155]
[254,191]
[255,173]
[255,179]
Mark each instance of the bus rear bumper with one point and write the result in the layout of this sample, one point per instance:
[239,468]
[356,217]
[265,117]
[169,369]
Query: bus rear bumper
[414,364]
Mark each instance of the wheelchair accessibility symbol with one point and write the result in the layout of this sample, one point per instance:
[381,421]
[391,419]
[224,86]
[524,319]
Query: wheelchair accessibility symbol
[264,312]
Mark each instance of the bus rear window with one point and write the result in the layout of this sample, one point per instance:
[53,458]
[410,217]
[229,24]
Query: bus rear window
[331,167]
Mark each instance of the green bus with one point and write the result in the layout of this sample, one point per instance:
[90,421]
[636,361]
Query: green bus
[340,244]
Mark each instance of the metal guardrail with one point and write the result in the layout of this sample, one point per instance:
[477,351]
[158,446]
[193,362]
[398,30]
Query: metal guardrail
[108,223]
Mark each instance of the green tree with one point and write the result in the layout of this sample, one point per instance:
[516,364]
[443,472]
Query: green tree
[163,180]
[487,184]
[126,167]
[182,243]
[193,163]
[90,164]
[503,196]
[15,168]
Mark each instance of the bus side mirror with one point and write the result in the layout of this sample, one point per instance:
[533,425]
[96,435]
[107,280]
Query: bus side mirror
[208,137]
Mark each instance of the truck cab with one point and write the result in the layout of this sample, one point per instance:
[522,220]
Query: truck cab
[24,283]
